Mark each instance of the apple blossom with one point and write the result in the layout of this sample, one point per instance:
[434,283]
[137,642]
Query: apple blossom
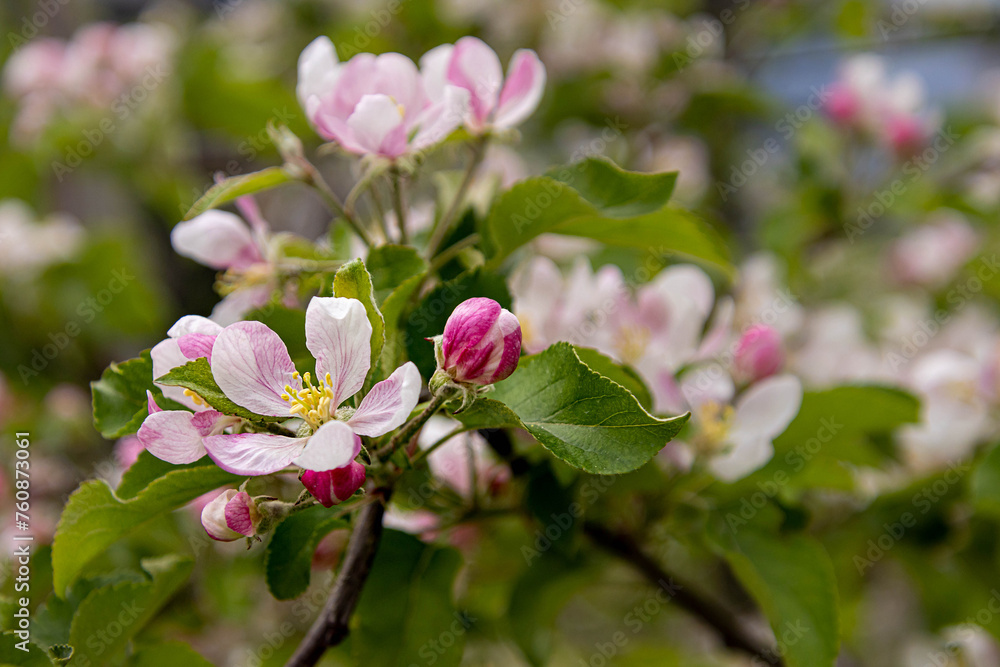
[494,102]
[28,245]
[758,354]
[232,515]
[481,343]
[252,367]
[375,105]
[932,254]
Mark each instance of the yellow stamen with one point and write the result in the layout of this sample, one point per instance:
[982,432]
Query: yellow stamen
[198,400]
[714,420]
[312,403]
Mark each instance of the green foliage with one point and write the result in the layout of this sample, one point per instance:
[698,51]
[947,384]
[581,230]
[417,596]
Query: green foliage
[120,403]
[196,375]
[10,654]
[354,282]
[94,517]
[581,417]
[792,579]
[407,602]
[984,488]
[392,265]
[597,200]
[290,551]
[238,186]
[620,373]
[167,654]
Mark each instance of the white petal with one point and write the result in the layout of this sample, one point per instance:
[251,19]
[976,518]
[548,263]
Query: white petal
[334,445]
[252,367]
[339,334]
[377,124]
[434,70]
[190,324]
[744,457]
[217,239]
[319,70]
[767,408]
[440,120]
[389,403]
[522,90]
[172,436]
[166,356]
[253,453]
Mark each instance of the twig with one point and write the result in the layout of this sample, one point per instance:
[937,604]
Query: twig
[733,634]
[397,203]
[443,226]
[313,178]
[331,626]
[452,251]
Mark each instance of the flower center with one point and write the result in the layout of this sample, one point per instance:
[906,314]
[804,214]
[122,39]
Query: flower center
[714,420]
[311,403]
[195,398]
[632,342]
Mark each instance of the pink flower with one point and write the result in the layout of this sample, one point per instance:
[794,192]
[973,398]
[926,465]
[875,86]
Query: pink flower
[252,366]
[375,105]
[931,255]
[758,354]
[330,487]
[481,342]
[494,102]
[232,515]
[224,241]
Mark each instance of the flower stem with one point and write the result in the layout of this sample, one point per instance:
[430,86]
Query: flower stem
[452,251]
[312,177]
[424,453]
[397,203]
[443,226]
[410,429]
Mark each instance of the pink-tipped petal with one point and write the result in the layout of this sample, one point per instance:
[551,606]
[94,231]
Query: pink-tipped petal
[176,436]
[377,124]
[338,334]
[330,487]
[196,345]
[151,406]
[217,239]
[190,324]
[389,403]
[166,356]
[476,67]
[522,90]
[252,367]
[239,302]
[334,445]
[441,119]
[434,70]
[253,453]
[242,515]
[319,70]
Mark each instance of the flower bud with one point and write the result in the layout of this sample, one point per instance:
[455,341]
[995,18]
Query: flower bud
[232,515]
[758,354]
[481,342]
[330,487]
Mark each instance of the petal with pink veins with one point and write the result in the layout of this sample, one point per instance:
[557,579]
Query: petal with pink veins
[252,367]
[389,402]
[338,334]
[476,67]
[253,453]
[334,445]
[194,324]
[522,90]
[194,345]
[176,436]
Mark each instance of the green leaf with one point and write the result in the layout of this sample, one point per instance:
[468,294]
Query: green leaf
[614,191]
[120,404]
[623,375]
[109,617]
[354,282]
[167,654]
[792,579]
[196,375]
[146,470]
[10,654]
[488,413]
[429,317]
[391,265]
[581,417]
[94,518]
[290,551]
[407,603]
[613,206]
[984,489]
[394,352]
[238,186]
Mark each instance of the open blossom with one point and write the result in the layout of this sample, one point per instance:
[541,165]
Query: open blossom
[251,365]
[737,436]
[375,105]
[481,343]
[494,101]
[224,241]
[232,515]
[932,254]
[177,436]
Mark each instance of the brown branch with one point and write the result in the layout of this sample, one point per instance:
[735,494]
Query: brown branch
[733,633]
[331,626]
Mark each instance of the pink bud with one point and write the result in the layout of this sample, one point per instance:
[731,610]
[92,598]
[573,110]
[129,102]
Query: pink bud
[232,515]
[481,342]
[758,354]
[330,487]
[842,104]
[905,133]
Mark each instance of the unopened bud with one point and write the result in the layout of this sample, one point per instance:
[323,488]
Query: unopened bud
[481,342]
[232,515]
[330,487]
[759,354]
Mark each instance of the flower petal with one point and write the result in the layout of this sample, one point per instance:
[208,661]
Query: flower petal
[377,123]
[253,453]
[194,324]
[166,356]
[196,345]
[440,120]
[217,239]
[389,403]
[523,89]
[476,67]
[241,301]
[252,367]
[174,436]
[434,70]
[767,408]
[319,70]
[338,334]
[744,457]
[334,445]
